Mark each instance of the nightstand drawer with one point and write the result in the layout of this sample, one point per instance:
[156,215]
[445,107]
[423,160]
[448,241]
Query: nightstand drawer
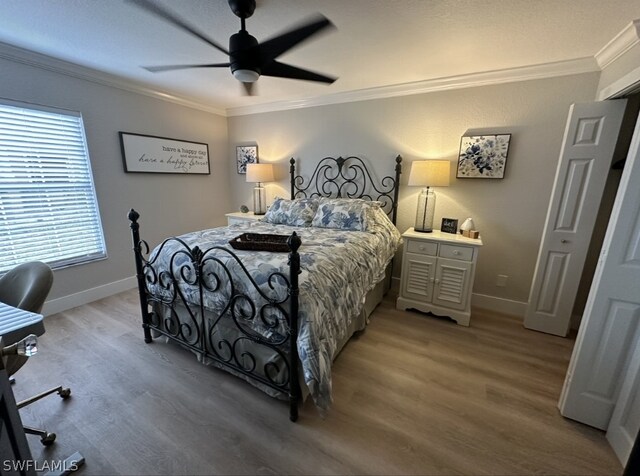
[456,252]
[422,247]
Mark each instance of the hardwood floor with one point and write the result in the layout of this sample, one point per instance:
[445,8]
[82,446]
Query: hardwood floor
[413,394]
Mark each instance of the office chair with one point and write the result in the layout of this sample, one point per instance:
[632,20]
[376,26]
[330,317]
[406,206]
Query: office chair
[26,287]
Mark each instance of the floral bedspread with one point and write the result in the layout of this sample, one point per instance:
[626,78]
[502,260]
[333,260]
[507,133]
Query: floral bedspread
[339,268]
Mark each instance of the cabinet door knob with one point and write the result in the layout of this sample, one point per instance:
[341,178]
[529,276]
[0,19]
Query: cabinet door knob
[421,247]
[456,252]
[564,241]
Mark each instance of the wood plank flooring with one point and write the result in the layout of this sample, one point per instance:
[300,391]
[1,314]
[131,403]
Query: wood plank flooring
[413,394]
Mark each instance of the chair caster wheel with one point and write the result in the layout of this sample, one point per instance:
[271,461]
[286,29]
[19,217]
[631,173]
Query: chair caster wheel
[48,439]
[64,393]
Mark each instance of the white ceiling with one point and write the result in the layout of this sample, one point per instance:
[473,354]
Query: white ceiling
[377,42]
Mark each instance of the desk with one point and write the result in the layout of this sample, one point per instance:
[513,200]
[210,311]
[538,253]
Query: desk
[16,324]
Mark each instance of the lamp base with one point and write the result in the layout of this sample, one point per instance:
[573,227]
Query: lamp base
[424,212]
[259,200]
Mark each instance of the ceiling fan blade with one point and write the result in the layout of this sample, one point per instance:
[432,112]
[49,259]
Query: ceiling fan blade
[274,47]
[172,67]
[172,18]
[281,70]
[249,89]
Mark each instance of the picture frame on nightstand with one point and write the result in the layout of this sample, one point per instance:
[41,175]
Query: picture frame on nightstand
[449,225]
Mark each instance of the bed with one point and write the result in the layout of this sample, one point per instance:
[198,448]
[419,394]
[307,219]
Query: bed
[278,316]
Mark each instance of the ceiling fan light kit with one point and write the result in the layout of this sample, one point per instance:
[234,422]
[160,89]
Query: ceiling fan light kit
[246,75]
[248,59]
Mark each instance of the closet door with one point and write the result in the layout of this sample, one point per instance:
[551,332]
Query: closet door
[587,149]
[602,387]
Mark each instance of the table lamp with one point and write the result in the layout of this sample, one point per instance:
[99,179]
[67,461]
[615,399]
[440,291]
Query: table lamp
[259,173]
[428,173]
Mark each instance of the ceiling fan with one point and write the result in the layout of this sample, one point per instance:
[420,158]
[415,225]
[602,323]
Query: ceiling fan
[248,59]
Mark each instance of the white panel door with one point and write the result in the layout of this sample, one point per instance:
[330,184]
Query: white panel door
[606,355]
[585,158]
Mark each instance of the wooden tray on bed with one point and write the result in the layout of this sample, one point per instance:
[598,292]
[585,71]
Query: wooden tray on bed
[260,242]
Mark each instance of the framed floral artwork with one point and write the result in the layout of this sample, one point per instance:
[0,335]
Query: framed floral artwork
[246,154]
[483,156]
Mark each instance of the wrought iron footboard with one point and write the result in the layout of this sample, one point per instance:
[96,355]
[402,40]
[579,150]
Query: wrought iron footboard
[207,301]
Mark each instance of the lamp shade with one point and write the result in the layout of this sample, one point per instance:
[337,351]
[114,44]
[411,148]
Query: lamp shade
[430,173]
[260,173]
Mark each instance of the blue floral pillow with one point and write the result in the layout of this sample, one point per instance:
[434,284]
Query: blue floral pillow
[298,212]
[343,213]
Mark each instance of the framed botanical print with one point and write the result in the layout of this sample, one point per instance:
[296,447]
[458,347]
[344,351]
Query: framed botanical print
[483,156]
[246,154]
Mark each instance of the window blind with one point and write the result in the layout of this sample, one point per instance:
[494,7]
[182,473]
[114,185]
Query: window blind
[48,206]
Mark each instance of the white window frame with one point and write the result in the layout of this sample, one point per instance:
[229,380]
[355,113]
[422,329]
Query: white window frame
[48,205]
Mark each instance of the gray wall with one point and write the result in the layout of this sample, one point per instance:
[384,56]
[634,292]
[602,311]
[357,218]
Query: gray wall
[510,213]
[169,204]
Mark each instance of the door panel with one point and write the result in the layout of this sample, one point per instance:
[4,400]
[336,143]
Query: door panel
[554,273]
[452,279]
[573,197]
[585,158]
[419,277]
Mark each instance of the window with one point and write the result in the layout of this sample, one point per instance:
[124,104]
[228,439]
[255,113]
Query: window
[48,207]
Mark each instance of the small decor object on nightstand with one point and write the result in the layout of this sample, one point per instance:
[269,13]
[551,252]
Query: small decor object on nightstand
[468,229]
[483,156]
[244,209]
[245,155]
[467,225]
[449,225]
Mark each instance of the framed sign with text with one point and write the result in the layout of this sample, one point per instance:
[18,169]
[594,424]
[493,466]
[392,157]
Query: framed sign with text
[150,154]
[449,225]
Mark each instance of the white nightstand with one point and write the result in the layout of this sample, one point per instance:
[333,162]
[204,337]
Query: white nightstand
[239,217]
[437,273]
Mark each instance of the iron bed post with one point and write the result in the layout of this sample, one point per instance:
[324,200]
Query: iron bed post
[397,187]
[294,243]
[292,173]
[137,251]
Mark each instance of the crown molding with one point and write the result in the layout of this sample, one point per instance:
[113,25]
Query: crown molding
[487,78]
[619,45]
[38,60]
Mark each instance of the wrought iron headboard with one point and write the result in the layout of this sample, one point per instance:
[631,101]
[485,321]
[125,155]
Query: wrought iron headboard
[348,178]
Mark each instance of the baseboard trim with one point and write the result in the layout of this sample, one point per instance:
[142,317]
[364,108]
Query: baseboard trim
[516,309]
[65,303]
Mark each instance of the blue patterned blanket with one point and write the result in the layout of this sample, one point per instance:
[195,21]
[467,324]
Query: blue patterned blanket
[339,268]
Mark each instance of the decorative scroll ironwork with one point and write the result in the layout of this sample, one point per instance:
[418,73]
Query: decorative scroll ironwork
[207,301]
[348,178]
